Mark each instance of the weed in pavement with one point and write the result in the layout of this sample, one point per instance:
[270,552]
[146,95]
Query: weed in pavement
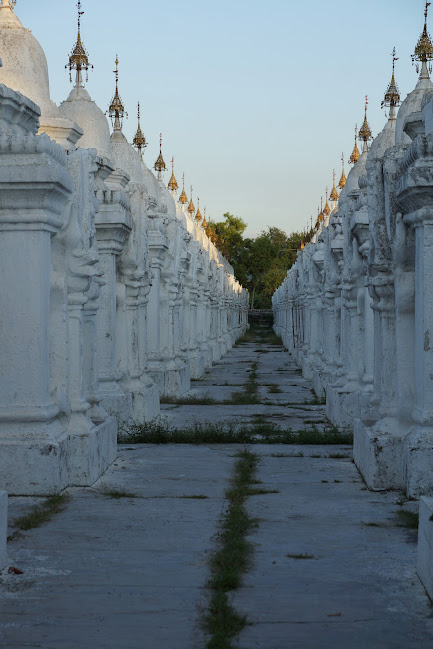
[43,513]
[230,433]
[232,558]
[408,519]
[116,494]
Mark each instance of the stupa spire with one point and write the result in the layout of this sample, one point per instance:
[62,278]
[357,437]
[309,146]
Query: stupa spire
[424,49]
[191,206]
[8,4]
[343,179]
[139,140]
[392,95]
[79,58]
[117,110]
[205,223]
[321,216]
[160,164]
[334,194]
[354,157]
[365,134]
[183,198]
[327,209]
[198,216]
[172,185]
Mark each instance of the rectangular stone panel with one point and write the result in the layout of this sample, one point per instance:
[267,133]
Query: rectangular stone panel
[425,544]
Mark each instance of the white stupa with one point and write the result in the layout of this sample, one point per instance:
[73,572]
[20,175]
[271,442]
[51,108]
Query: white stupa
[80,107]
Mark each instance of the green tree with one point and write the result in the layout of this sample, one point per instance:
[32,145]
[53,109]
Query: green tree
[259,264]
[229,237]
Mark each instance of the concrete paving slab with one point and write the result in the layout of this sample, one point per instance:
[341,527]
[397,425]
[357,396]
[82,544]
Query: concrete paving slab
[358,589]
[124,573]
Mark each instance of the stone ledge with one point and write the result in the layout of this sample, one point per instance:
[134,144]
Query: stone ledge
[425,544]
[3,527]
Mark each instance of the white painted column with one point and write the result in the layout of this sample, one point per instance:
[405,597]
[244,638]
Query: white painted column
[34,189]
[113,225]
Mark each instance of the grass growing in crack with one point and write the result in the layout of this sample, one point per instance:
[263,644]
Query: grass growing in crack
[408,519]
[315,400]
[190,401]
[116,494]
[230,433]
[249,395]
[232,559]
[339,456]
[274,389]
[43,513]
[372,524]
[303,556]
[262,492]
[194,497]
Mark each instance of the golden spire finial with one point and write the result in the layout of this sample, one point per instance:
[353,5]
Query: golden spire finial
[205,224]
[424,49]
[9,4]
[392,95]
[79,59]
[183,199]
[160,164]
[334,194]
[172,185]
[198,216]
[343,178]
[139,140]
[365,134]
[321,216]
[355,153]
[117,110]
[327,209]
[191,207]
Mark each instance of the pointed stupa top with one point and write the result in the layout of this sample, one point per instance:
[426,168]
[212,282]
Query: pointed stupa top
[327,209]
[321,216]
[10,4]
[343,179]
[160,164]
[198,216]
[354,157]
[139,140]
[424,49]
[334,194]
[79,58]
[204,220]
[392,95]
[172,185]
[191,206]
[117,110]
[183,198]
[365,134]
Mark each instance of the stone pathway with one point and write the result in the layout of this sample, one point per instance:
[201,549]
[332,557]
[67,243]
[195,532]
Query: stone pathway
[131,573]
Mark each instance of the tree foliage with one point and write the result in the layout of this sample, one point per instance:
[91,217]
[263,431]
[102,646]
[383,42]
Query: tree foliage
[260,264]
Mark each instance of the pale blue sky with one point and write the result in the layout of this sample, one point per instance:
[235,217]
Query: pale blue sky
[256,100]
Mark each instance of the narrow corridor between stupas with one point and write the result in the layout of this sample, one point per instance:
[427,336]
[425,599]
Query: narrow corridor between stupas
[332,564]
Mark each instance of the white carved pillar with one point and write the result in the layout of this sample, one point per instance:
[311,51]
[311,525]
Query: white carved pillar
[34,188]
[113,225]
